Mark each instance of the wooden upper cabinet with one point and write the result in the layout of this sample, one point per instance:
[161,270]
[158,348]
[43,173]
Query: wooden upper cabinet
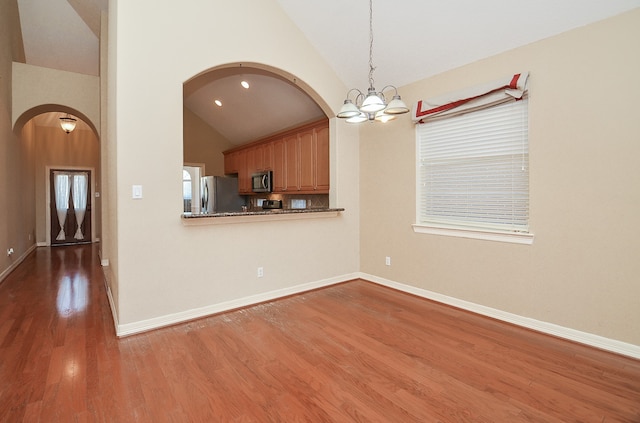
[254,160]
[231,163]
[307,159]
[313,160]
[267,156]
[278,165]
[291,167]
[244,173]
[260,157]
[322,159]
[298,158]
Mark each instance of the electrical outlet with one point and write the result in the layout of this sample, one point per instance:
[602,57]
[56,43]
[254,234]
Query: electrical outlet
[260,272]
[387,261]
[9,252]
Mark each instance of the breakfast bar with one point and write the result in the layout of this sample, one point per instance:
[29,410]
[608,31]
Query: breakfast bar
[258,216]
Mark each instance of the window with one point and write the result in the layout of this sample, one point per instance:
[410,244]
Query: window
[191,174]
[473,174]
[186,191]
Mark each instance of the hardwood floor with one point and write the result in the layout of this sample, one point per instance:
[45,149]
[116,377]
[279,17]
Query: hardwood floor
[351,352]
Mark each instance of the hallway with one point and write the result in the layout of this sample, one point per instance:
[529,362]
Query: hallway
[54,322]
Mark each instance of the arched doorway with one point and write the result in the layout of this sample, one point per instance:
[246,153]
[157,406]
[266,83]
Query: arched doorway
[73,157]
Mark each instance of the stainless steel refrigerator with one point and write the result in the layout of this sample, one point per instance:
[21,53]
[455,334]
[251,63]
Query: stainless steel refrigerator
[219,194]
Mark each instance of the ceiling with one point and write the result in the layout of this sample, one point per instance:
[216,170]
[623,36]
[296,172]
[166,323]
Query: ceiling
[271,104]
[413,39]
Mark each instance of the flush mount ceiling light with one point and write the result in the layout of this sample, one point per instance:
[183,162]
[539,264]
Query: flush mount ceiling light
[245,84]
[372,106]
[218,103]
[67,123]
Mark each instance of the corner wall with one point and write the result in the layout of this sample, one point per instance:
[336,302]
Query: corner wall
[582,270]
[17,220]
[165,267]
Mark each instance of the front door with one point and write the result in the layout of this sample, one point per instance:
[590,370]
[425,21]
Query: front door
[70,206]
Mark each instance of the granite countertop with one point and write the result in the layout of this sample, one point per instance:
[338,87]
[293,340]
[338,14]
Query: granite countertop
[258,212]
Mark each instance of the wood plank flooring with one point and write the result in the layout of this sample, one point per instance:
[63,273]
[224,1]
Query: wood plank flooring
[351,352]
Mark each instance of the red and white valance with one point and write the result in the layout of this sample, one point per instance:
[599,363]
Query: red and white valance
[501,91]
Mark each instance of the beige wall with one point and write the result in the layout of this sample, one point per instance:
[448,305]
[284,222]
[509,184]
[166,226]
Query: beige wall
[37,90]
[17,220]
[165,267]
[203,144]
[582,271]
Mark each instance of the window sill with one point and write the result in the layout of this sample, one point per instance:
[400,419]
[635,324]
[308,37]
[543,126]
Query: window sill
[487,235]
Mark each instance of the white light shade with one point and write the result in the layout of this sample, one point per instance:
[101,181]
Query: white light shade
[361,117]
[373,103]
[384,117]
[396,106]
[67,123]
[348,110]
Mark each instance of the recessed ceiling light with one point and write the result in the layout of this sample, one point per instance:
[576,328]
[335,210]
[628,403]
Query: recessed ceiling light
[245,84]
[218,103]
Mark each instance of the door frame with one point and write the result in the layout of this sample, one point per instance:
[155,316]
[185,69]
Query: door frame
[92,197]
[195,184]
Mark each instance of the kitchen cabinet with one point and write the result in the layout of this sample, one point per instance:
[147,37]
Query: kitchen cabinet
[240,163]
[291,164]
[236,163]
[244,175]
[278,165]
[322,159]
[267,156]
[259,158]
[254,160]
[306,160]
[313,160]
[299,159]
[231,163]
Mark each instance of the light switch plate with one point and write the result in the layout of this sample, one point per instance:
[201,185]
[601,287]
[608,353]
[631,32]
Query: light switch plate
[136,191]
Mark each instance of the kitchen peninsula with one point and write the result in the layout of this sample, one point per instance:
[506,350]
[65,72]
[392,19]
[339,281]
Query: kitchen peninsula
[258,216]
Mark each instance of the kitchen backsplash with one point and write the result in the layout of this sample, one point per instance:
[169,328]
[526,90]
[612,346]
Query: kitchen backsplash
[292,201]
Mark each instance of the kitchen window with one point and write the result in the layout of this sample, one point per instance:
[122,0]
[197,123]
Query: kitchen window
[186,191]
[473,174]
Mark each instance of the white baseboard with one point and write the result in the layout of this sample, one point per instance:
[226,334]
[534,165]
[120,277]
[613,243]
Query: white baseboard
[112,305]
[42,244]
[537,325]
[184,316]
[16,262]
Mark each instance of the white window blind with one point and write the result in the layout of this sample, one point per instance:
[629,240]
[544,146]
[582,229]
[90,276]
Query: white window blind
[474,169]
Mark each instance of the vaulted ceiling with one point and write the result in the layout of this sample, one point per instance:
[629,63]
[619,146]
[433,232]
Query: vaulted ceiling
[413,39]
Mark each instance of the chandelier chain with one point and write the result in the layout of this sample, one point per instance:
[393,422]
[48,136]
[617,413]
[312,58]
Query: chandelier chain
[371,67]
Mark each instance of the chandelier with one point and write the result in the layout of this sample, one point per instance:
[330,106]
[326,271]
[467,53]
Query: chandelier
[67,123]
[373,105]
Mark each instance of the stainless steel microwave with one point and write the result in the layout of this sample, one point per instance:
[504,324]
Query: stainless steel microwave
[262,181]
